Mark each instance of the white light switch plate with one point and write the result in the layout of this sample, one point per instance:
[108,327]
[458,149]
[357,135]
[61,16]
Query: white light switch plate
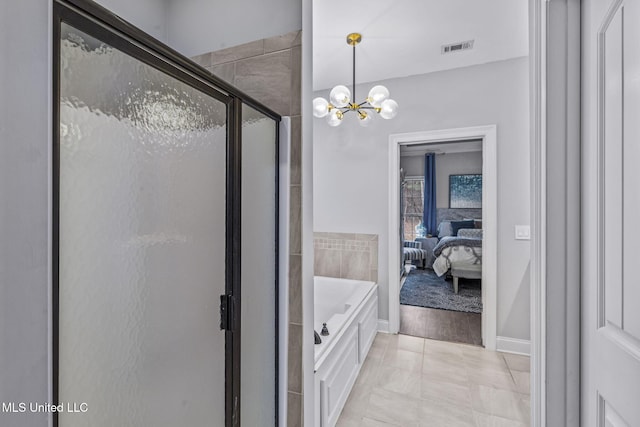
[523,232]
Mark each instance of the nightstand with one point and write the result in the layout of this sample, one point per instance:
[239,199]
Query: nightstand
[428,243]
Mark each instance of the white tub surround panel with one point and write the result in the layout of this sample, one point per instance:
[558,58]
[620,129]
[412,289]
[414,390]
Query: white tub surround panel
[350,310]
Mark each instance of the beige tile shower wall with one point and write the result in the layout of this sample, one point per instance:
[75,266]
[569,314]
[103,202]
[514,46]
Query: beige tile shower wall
[346,255]
[270,71]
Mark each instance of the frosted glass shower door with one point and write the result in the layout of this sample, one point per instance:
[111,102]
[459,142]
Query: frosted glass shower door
[259,338]
[142,176]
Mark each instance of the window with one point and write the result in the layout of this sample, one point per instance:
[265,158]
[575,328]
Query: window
[412,208]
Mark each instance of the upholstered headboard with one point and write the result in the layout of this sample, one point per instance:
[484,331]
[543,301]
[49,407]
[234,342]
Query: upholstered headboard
[446,214]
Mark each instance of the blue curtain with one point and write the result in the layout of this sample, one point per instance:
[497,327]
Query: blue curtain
[429,213]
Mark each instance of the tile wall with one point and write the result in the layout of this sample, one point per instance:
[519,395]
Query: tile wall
[346,255]
[270,71]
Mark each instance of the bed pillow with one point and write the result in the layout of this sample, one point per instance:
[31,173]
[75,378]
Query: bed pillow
[457,225]
[476,222]
[470,233]
[444,229]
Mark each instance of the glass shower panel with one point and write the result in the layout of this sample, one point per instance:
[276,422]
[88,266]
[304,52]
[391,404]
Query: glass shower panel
[142,242]
[258,312]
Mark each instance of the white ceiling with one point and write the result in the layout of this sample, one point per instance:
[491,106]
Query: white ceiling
[403,37]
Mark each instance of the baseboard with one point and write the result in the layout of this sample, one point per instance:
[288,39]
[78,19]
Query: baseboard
[513,345]
[383,326]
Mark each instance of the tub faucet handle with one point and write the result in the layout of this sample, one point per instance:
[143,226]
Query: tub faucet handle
[317,338]
[324,331]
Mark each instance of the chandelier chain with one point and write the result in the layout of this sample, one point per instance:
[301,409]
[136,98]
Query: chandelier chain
[354,72]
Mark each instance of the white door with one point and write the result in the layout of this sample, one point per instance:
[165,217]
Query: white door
[610,212]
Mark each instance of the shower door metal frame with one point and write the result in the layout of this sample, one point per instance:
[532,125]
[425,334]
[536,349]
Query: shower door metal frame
[99,22]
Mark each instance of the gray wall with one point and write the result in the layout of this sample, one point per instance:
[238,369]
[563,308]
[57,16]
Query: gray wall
[351,166]
[24,171]
[199,26]
[148,15]
[446,164]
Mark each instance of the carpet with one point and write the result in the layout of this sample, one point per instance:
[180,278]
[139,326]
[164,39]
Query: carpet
[423,288]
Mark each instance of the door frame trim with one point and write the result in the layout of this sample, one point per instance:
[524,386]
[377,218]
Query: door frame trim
[488,134]
[537,43]
[555,34]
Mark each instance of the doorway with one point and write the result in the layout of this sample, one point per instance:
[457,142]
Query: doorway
[487,134]
[441,222]
[165,209]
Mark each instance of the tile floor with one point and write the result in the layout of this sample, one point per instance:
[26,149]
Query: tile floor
[443,325]
[414,382]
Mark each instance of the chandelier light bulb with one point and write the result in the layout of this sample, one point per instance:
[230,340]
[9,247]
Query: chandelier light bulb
[365,118]
[388,109]
[334,118]
[377,95]
[340,96]
[320,107]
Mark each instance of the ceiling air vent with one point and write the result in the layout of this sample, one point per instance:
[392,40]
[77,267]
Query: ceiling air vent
[457,47]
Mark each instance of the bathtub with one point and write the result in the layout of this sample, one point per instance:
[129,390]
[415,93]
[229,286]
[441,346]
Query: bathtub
[350,310]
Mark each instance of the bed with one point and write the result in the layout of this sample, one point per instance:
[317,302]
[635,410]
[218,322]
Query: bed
[462,248]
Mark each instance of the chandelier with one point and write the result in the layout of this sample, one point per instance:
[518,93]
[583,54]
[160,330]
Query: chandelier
[340,101]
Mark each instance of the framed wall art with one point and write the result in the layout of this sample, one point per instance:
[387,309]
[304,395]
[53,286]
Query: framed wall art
[465,191]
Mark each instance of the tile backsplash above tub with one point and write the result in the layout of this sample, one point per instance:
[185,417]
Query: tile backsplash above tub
[346,255]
